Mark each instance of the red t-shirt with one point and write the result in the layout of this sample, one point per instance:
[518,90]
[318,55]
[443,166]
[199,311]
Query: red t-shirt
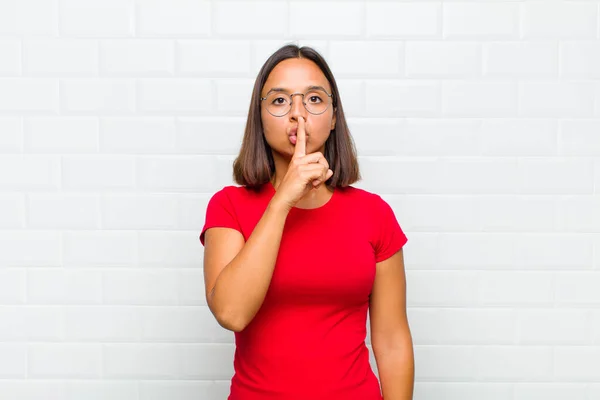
[307,341]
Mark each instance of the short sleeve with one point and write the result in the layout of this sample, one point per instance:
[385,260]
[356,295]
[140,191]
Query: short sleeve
[220,213]
[389,236]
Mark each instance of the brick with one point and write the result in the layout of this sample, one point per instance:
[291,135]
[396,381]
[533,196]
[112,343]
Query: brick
[175,96]
[249,20]
[164,173]
[191,288]
[98,96]
[541,175]
[516,288]
[31,323]
[207,362]
[140,287]
[102,324]
[168,249]
[63,286]
[13,361]
[382,58]
[550,391]
[233,96]
[139,212]
[11,140]
[184,390]
[137,135]
[157,18]
[214,57]
[577,288]
[99,248]
[487,250]
[29,172]
[16,249]
[508,137]
[481,20]
[556,99]
[479,99]
[61,135]
[332,20]
[63,211]
[580,59]
[403,20]
[513,362]
[100,390]
[62,360]
[106,172]
[402,98]
[60,57]
[17,18]
[552,326]
[535,60]
[457,326]
[579,138]
[436,288]
[442,59]
[28,95]
[12,286]
[122,57]
[463,390]
[507,213]
[444,363]
[209,135]
[559,19]
[148,361]
[10,56]
[97,18]
[577,362]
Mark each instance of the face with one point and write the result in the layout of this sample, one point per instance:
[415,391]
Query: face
[295,75]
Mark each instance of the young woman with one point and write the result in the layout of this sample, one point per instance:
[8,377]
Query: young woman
[296,256]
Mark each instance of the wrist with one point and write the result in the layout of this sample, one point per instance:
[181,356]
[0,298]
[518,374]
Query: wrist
[278,206]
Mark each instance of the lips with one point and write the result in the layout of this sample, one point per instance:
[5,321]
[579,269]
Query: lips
[293,132]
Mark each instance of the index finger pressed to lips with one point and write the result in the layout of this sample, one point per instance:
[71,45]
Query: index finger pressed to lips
[300,149]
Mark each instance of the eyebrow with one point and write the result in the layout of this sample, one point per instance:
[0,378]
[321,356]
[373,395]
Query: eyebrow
[279,89]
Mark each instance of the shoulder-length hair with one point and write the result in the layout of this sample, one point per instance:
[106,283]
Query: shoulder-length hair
[254,164]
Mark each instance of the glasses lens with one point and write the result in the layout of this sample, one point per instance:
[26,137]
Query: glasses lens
[279,103]
[316,101]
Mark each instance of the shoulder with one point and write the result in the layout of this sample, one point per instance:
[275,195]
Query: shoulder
[236,194]
[363,197]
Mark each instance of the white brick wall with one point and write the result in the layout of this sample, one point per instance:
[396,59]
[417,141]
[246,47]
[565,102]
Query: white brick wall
[120,118]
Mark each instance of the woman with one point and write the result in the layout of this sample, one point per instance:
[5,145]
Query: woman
[295,257]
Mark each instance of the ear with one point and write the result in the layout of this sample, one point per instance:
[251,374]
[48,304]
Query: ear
[333,120]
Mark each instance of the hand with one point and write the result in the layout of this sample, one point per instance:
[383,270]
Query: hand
[305,172]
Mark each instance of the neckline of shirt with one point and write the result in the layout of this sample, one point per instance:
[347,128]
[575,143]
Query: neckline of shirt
[334,195]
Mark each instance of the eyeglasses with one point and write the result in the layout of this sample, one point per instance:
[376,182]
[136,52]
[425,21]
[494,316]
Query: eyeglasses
[279,104]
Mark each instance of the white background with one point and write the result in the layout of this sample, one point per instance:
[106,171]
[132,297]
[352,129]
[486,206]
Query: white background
[478,121]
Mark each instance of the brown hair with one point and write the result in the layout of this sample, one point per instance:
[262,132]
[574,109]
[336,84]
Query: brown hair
[254,164]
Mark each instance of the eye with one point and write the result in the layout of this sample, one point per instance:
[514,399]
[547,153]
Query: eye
[315,97]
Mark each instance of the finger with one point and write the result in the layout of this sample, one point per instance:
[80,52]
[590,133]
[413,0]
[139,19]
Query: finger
[311,172]
[317,157]
[317,183]
[300,150]
[315,174]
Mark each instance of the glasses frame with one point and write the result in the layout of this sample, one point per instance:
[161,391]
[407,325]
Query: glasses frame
[330,95]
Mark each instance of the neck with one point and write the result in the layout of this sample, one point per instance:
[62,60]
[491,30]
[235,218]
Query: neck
[312,197]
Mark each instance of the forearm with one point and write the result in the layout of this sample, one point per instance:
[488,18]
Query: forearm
[242,285]
[396,367]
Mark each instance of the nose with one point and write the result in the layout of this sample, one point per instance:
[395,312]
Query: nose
[298,109]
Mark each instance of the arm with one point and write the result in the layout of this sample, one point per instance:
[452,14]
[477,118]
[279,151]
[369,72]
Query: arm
[237,274]
[390,334]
